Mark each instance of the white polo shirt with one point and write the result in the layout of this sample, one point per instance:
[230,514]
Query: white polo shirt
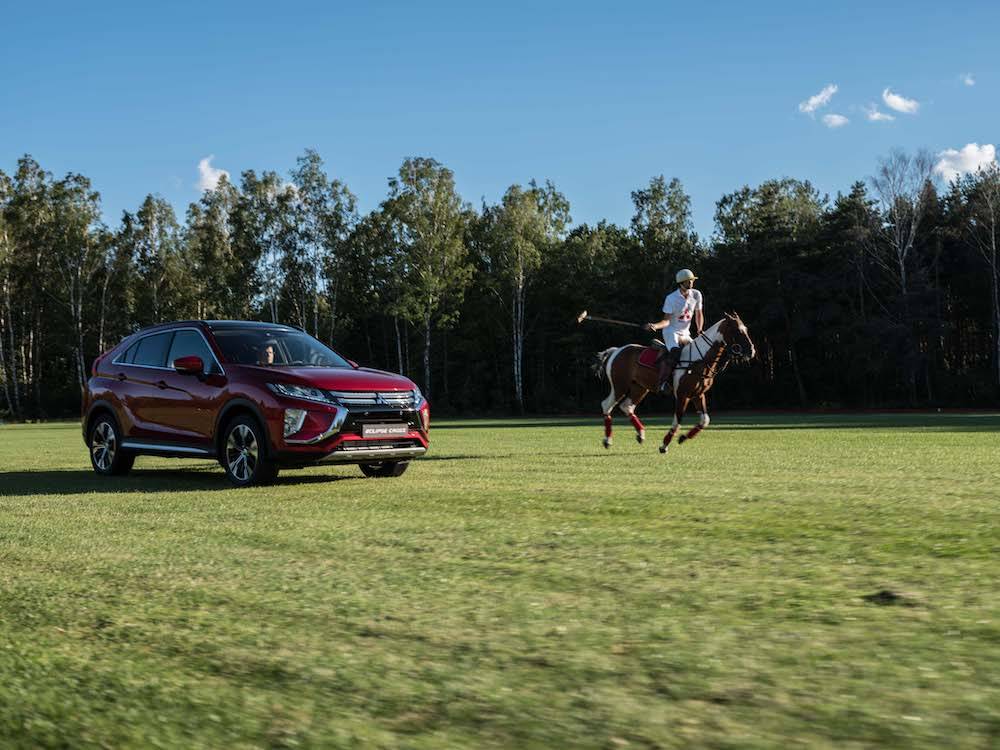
[680,309]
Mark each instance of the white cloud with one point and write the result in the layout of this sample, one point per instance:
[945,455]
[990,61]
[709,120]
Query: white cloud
[970,158]
[900,103]
[835,121]
[874,115]
[968,80]
[821,99]
[209,176]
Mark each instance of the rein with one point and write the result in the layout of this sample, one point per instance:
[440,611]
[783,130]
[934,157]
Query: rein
[720,364]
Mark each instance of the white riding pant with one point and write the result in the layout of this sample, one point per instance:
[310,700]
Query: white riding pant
[673,339]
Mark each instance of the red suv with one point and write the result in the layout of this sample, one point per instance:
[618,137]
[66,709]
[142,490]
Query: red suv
[255,396]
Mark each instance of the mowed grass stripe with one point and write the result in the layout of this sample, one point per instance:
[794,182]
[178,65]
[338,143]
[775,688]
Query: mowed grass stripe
[521,586]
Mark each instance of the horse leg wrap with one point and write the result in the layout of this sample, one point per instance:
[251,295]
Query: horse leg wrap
[667,438]
[691,433]
[639,427]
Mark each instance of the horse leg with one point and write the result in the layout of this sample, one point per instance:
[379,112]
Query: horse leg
[608,407]
[628,409]
[703,420]
[680,407]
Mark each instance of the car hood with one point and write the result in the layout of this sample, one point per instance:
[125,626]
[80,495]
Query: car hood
[337,378]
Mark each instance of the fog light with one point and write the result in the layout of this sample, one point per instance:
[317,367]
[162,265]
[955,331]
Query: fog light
[293,420]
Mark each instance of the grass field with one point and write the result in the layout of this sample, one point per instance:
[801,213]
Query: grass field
[519,587]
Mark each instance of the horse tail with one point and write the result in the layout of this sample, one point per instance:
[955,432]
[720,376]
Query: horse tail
[600,371]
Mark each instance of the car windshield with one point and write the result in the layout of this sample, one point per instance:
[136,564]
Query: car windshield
[275,348]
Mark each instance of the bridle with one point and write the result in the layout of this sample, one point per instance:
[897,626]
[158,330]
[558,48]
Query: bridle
[726,355]
[721,364]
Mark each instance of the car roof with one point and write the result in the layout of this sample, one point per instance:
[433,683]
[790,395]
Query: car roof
[217,325]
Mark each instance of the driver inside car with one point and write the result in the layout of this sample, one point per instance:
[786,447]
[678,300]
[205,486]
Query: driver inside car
[265,356]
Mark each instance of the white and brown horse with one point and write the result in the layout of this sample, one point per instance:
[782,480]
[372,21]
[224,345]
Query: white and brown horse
[632,372]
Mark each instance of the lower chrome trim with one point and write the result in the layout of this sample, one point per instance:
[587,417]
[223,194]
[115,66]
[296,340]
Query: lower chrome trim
[363,455]
[135,446]
[335,424]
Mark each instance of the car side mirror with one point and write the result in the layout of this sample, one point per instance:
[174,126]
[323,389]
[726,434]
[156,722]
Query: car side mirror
[189,365]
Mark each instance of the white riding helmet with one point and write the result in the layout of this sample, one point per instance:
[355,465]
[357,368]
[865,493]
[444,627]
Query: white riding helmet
[685,274]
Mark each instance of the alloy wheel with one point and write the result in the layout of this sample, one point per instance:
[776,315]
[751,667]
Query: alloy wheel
[242,452]
[104,445]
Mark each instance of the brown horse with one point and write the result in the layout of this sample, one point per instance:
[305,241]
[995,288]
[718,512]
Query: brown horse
[700,361]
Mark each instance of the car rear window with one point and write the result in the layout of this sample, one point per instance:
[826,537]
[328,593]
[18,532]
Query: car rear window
[152,350]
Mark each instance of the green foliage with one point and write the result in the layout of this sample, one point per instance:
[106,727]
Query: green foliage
[884,296]
[428,221]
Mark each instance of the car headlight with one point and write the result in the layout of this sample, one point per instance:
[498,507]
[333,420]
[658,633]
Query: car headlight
[418,397]
[299,391]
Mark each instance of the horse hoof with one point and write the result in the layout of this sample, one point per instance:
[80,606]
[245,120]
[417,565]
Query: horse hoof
[682,438]
[607,442]
[663,449]
[640,437]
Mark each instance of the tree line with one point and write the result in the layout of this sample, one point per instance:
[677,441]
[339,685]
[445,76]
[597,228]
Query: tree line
[883,296]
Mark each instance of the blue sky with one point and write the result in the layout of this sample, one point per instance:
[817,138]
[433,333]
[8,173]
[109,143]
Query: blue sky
[598,97]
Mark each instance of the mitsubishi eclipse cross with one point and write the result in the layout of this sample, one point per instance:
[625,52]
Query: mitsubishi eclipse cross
[255,396]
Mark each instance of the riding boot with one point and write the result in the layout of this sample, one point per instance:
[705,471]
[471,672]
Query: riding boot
[667,362]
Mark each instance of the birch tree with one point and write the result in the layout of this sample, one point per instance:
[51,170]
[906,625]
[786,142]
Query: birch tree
[429,221]
[904,190]
[78,254]
[8,364]
[902,186]
[518,233]
[982,193]
[327,213]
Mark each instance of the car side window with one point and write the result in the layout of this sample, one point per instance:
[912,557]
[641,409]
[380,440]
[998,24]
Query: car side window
[191,344]
[129,354]
[152,351]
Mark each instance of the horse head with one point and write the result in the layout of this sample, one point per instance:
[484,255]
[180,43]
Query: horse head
[737,337]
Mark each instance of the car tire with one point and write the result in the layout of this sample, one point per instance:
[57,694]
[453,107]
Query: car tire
[244,455]
[106,453]
[385,469]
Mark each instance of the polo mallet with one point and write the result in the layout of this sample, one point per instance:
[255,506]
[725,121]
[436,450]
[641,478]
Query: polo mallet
[597,319]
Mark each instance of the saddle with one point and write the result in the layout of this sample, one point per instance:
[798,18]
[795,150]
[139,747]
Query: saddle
[650,355]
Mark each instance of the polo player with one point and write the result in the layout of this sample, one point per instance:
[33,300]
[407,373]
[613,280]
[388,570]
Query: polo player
[679,307]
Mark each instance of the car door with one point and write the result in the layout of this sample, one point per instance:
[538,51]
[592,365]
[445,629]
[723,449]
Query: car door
[139,372]
[189,403]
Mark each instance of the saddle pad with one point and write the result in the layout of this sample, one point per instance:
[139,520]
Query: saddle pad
[649,355]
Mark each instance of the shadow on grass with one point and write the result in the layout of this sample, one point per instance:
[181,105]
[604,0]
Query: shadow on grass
[82,482]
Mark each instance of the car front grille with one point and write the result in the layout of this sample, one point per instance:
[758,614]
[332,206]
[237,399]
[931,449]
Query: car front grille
[374,399]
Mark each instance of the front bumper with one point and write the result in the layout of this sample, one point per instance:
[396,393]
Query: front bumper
[356,455]
[341,438]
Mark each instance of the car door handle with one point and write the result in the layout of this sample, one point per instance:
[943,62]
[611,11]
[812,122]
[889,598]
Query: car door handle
[162,385]
[122,376]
